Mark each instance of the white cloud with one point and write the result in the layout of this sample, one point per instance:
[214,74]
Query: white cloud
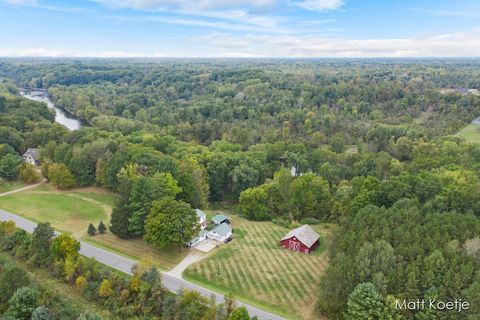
[253,45]
[21,2]
[320,5]
[465,44]
[43,52]
[190,5]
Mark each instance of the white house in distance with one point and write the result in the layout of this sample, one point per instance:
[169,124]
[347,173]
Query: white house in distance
[201,219]
[32,156]
[221,232]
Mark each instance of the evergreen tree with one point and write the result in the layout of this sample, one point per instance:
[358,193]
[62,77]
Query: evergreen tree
[140,202]
[11,278]
[91,229]
[101,227]
[42,236]
[9,166]
[119,219]
[23,303]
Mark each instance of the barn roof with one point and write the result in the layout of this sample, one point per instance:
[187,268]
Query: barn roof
[305,234]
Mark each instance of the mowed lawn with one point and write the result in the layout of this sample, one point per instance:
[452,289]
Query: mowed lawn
[256,269]
[471,133]
[69,211]
[165,259]
[72,210]
[6,186]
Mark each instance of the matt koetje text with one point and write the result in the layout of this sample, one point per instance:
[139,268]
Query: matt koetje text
[433,304]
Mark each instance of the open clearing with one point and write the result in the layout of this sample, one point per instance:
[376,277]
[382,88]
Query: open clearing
[257,270]
[72,210]
[471,133]
[69,211]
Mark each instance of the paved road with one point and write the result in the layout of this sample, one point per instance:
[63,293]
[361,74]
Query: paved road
[121,263]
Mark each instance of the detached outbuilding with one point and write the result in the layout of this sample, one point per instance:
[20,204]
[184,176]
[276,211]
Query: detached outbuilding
[220,218]
[302,239]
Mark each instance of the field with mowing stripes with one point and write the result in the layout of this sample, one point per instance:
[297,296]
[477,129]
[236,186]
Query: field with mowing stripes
[257,270]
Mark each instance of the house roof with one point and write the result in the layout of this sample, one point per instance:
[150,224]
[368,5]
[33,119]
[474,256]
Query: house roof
[32,152]
[219,218]
[222,229]
[200,213]
[305,234]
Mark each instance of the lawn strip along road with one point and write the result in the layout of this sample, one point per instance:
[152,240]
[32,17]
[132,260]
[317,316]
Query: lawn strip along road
[125,265]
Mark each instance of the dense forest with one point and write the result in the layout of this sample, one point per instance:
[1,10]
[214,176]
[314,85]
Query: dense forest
[367,145]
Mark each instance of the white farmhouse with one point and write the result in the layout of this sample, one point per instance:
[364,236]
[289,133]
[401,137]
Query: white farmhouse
[221,233]
[32,156]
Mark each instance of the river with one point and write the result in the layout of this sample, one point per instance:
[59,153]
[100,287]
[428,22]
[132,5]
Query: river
[61,116]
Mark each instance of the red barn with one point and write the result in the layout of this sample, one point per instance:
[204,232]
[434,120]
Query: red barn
[303,239]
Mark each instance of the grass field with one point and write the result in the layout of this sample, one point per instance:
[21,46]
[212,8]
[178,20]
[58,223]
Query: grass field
[71,211]
[257,270]
[471,133]
[6,186]
[137,249]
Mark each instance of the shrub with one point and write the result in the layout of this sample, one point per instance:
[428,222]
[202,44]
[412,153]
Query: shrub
[283,222]
[309,220]
[28,174]
[60,176]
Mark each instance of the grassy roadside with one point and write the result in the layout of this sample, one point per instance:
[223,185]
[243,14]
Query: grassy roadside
[137,249]
[71,211]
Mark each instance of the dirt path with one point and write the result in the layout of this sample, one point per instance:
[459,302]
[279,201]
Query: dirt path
[24,188]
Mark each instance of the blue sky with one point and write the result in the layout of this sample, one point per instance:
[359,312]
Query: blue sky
[240,28]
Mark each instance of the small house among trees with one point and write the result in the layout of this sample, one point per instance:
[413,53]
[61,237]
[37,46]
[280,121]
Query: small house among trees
[32,156]
[302,239]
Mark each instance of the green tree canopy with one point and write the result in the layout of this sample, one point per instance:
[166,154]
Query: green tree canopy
[170,223]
